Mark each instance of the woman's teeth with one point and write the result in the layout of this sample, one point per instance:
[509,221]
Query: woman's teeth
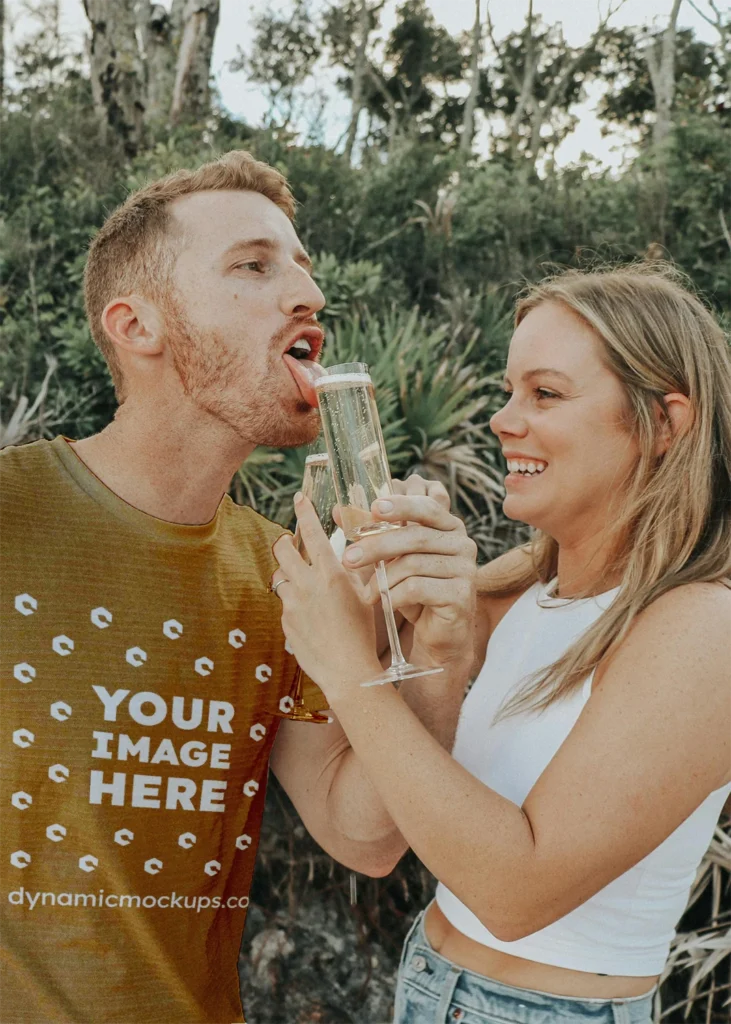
[527,468]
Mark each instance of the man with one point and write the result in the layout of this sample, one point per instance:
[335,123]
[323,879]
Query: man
[144,671]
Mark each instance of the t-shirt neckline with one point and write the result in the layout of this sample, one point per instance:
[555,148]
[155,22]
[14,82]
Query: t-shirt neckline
[159,529]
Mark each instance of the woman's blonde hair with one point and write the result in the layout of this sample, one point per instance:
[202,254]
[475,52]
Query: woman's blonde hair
[675,526]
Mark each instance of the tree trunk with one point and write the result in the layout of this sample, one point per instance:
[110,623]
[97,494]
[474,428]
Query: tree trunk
[117,71]
[527,85]
[660,56]
[2,50]
[359,73]
[191,89]
[160,33]
[468,121]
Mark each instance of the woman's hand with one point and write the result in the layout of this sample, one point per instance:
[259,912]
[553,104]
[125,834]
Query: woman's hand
[431,569]
[326,617]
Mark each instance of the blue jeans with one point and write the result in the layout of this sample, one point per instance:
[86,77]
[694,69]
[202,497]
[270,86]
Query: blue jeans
[433,990]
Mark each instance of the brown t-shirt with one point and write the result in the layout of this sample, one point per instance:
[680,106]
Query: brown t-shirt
[141,674]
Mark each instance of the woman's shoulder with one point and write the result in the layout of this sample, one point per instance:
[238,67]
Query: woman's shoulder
[683,633]
[695,608]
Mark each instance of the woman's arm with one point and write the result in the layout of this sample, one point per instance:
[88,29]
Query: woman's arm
[651,744]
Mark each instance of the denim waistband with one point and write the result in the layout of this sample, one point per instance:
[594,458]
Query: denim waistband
[456,989]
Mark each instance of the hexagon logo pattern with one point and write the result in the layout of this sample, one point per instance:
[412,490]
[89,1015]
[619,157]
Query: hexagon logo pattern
[123,837]
[257,732]
[186,840]
[26,605]
[62,644]
[135,656]
[88,862]
[212,867]
[285,705]
[204,666]
[60,711]
[243,842]
[237,638]
[23,737]
[288,647]
[172,629]
[153,866]
[251,787]
[55,833]
[20,859]
[101,617]
[24,672]
[58,773]
[21,800]
[263,673]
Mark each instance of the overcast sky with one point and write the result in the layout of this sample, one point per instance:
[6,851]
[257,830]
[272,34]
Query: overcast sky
[579,19]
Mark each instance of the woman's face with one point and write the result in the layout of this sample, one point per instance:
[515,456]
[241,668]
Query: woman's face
[568,447]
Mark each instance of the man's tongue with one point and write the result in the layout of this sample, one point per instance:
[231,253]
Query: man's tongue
[304,372]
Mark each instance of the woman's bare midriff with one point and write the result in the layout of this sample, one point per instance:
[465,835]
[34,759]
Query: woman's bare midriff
[452,944]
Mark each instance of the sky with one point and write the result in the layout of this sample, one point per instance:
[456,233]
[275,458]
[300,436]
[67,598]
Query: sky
[579,19]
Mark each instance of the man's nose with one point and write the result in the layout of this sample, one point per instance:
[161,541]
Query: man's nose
[303,297]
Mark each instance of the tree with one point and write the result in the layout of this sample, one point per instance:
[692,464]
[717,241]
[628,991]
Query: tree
[365,22]
[2,49]
[117,70]
[410,92]
[468,121]
[723,27]
[282,55]
[541,77]
[660,57]
[191,89]
[699,89]
[149,67]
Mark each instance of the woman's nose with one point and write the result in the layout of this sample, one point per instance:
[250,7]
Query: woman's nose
[508,420]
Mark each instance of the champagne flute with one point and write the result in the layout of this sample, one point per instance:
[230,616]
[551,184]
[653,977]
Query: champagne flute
[317,485]
[360,474]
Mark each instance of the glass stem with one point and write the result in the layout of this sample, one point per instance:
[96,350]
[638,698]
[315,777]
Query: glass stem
[397,657]
[297,695]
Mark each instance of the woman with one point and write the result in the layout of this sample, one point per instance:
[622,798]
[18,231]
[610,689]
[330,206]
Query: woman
[593,752]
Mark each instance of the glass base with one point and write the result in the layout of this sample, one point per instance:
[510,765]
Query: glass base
[396,673]
[301,714]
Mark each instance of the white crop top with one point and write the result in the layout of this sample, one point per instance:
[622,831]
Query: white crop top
[625,928]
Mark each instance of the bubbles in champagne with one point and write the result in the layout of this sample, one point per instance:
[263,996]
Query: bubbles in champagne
[353,433]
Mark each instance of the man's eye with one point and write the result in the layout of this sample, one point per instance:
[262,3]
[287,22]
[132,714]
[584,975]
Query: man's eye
[255,265]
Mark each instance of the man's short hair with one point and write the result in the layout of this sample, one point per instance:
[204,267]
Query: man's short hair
[134,251]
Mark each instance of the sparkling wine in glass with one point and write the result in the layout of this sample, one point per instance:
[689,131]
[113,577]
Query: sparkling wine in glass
[360,474]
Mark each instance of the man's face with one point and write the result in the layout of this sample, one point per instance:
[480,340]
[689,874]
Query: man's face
[242,296]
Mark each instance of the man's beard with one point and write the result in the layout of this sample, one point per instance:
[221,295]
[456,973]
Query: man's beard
[217,381]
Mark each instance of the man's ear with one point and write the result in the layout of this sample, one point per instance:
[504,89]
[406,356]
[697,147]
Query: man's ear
[675,418]
[134,325]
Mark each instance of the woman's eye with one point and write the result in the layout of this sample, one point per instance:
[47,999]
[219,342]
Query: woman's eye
[545,393]
[255,265]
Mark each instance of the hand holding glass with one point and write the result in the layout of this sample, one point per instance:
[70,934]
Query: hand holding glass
[361,475]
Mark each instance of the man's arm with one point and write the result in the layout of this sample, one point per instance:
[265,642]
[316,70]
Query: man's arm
[331,789]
